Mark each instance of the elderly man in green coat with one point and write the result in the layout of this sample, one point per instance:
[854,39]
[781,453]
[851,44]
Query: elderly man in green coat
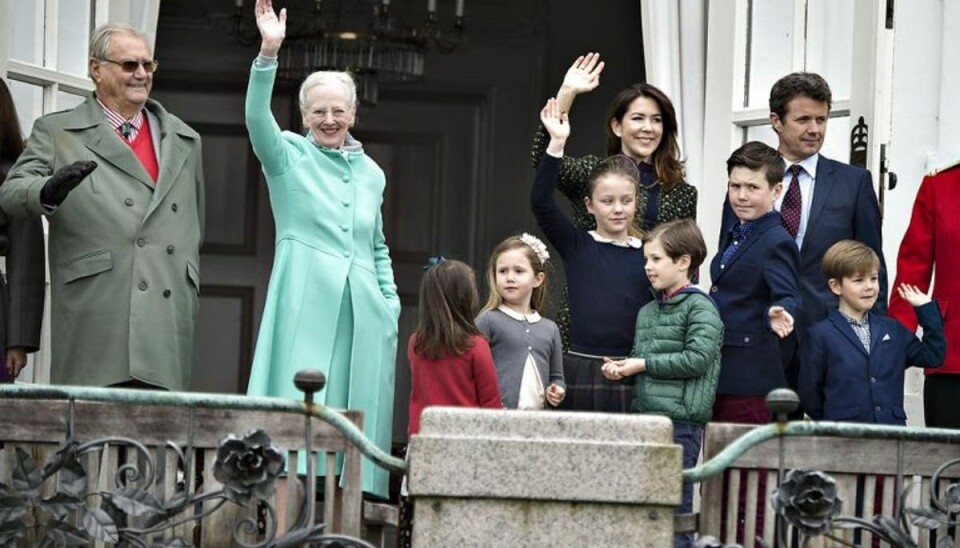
[121,182]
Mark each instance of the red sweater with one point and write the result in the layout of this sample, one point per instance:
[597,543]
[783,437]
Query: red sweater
[467,380]
[142,147]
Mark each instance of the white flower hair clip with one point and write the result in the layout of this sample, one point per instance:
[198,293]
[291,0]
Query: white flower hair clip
[538,247]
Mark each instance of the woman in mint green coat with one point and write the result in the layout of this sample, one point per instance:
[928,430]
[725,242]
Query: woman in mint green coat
[332,303]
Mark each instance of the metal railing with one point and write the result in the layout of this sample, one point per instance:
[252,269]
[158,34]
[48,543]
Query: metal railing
[130,512]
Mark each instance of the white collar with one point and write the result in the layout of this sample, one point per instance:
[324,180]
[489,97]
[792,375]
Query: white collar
[635,243]
[532,317]
[809,164]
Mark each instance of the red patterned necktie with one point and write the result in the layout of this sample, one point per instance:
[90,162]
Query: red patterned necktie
[792,204]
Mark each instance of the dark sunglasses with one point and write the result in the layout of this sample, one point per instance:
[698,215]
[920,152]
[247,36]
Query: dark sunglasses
[149,66]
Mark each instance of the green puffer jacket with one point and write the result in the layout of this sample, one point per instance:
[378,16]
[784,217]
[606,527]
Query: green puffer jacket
[680,340]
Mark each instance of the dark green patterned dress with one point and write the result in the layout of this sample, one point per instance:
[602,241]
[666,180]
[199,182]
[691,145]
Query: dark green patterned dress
[679,203]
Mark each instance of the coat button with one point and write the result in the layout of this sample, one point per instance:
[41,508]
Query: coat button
[142,286]
[746,339]
[344,228]
[169,250]
[346,252]
[714,289]
[129,202]
[166,293]
[877,409]
[174,208]
[345,203]
[141,242]
[346,178]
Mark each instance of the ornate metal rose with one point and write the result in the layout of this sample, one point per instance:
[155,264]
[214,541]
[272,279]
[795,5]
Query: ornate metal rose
[249,466]
[808,500]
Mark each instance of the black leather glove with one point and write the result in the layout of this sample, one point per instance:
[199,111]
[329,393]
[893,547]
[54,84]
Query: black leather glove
[63,181]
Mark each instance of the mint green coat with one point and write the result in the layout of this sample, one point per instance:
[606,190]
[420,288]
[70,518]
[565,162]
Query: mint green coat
[329,240]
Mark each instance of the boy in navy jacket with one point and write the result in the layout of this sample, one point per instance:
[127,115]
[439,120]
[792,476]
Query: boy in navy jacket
[852,363]
[755,286]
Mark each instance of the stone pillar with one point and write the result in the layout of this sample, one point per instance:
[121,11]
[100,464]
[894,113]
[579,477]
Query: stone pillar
[520,478]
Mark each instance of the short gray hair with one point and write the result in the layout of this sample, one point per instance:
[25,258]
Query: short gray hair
[100,39]
[327,77]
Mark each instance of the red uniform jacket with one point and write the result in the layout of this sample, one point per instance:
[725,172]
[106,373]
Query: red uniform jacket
[933,238]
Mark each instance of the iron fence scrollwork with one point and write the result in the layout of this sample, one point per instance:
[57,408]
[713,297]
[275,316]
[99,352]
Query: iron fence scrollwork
[129,515]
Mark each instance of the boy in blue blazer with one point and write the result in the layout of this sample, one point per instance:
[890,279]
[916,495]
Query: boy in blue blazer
[852,363]
[755,286]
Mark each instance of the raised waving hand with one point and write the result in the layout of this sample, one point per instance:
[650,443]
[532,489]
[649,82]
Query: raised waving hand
[273,28]
[557,125]
[583,76]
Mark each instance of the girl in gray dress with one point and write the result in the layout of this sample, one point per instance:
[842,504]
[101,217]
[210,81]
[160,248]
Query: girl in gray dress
[526,347]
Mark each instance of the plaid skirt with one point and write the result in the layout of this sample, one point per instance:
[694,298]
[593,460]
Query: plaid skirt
[589,390]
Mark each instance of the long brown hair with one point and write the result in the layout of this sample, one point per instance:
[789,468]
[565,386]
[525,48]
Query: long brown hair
[11,140]
[448,304]
[666,158]
[538,298]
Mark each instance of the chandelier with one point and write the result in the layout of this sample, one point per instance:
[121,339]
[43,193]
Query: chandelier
[362,37]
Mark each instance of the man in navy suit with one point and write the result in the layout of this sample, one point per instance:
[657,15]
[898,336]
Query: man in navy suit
[823,201]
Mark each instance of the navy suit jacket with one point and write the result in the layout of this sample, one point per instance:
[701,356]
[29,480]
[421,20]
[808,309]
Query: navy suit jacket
[844,207]
[762,273]
[839,381]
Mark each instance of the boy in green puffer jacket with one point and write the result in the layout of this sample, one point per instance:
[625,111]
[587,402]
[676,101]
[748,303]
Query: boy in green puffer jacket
[675,362]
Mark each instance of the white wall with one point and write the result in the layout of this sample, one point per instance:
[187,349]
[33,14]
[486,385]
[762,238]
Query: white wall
[925,123]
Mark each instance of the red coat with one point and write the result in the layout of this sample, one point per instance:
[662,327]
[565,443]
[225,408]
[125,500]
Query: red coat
[466,380]
[933,238]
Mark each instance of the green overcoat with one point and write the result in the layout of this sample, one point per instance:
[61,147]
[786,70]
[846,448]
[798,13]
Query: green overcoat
[332,303]
[124,252]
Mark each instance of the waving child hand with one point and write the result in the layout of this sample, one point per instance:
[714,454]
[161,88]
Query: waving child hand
[584,75]
[272,28]
[555,122]
[913,295]
[781,322]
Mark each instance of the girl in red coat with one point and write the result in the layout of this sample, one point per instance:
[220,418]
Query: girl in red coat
[450,361]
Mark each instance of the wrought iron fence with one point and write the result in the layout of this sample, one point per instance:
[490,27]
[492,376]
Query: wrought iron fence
[56,504]
[807,500]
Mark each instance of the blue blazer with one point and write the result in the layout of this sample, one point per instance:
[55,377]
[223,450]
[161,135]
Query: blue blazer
[839,381]
[761,274]
[844,207]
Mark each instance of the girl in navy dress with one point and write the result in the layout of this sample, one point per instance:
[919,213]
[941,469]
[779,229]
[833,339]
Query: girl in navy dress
[604,267]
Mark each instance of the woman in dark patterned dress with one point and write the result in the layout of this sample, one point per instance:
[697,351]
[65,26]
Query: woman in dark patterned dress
[663,195]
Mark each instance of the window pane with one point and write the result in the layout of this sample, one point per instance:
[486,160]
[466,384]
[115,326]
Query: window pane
[836,145]
[764,134]
[66,101]
[72,42]
[29,101]
[138,13]
[25,30]
[771,23]
[830,43]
